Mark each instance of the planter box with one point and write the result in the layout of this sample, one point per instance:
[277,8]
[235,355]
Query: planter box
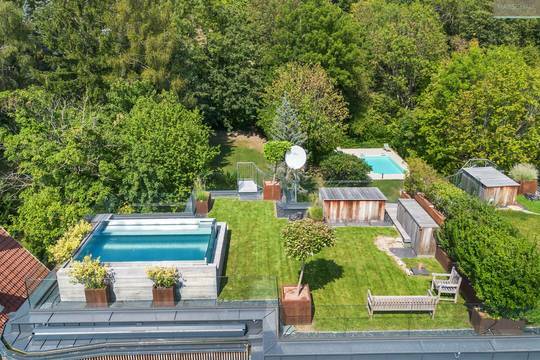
[528,187]
[97,297]
[296,309]
[272,190]
[163,296]
[483,324]
[202,207]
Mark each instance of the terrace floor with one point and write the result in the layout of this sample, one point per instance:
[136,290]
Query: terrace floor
[339,277]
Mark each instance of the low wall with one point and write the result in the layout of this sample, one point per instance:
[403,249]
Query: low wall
[198,280]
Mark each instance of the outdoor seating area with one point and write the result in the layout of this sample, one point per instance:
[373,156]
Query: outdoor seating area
[447,284]
[414,303]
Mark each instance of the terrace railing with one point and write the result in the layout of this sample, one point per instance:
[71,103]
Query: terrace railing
[249,172]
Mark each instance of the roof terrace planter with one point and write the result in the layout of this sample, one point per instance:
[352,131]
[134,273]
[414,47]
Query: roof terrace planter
[484,324]
[296,308]
[163,296]
[272,190]
[527,187]
[203,206]
[96,298]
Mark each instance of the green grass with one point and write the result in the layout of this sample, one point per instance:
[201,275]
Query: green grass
[339,277]
[530,205]
[430,264]
[390,188]
[527,224]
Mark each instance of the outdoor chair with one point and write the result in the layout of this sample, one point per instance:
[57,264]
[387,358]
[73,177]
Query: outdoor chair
[387,147]
[447,283]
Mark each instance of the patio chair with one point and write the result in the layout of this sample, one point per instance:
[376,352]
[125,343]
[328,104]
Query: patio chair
[386,147]
[447,283]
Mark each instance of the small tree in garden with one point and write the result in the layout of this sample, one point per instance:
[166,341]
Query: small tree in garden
[274,152]
[305,238]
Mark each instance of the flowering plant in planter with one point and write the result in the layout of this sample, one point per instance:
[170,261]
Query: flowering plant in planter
[95,277]
[164,279]
[202,197]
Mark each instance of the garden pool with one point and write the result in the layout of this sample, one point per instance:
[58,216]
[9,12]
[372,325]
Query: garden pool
[151,240]
[382,164]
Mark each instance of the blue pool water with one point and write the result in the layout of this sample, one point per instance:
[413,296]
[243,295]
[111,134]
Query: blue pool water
[383,165]
[157,242]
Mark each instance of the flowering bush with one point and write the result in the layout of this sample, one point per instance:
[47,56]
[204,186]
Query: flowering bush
[90,272]
[163,277]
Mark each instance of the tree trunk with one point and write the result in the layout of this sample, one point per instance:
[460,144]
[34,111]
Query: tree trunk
[299,287]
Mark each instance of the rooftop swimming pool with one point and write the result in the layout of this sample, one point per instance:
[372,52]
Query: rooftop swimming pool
[143,240]
[382,164]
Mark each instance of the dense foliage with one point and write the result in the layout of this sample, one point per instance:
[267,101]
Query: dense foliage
[274,152]
[503,267]
[162,276]
[66,245]
[110,103]
[344,167]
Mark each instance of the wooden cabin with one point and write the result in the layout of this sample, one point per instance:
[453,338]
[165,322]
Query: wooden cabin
[489,184]
[342,205]
[419,225]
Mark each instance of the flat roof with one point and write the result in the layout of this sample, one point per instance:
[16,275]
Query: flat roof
[420,216]
[351,193]
[490,177]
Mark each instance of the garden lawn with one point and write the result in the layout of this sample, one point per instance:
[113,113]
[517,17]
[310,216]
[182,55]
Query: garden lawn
[530,205]
[339,277]
[390,188]
[527,224]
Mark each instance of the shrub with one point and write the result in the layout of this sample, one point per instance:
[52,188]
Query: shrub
[163,277]
[524,172]
[503,267]
[305,238]
[315,213]
[344,167]
[66,245]
[274,152]
[200,192]
[90,272]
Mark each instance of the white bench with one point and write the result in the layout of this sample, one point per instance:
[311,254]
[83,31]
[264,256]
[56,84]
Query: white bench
[449,284]
[402,303]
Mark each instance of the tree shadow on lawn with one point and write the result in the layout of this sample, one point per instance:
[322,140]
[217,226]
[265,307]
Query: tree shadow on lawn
[320,272]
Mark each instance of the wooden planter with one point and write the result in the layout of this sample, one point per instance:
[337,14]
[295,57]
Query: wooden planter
[97,297]
[163,296]
[202,207]
[272,190]
[528,187]
[483,324]
[296,309]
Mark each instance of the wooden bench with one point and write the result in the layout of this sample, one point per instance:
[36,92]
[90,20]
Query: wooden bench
[449,284]
[402,303]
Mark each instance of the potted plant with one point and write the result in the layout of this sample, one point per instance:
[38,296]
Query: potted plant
[202,198]
[95,277]
[302,239]
[165,280]
[274,152]
[527,176]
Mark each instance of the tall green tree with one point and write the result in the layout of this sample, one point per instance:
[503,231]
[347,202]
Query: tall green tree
[320,106]
[165,147]
[484,103]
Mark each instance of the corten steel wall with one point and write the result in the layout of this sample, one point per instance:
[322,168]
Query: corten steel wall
[350,211]
[422,238]
[437,216]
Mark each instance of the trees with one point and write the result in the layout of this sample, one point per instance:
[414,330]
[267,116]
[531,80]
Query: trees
[286,126]
[305,238]
[274,152]
[164,149]
[482,104]
[344,167]
[320,107]
[317,31]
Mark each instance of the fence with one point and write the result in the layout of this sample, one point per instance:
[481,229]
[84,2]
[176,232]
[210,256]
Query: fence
[248,171]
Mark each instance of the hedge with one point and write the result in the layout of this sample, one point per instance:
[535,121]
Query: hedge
[503,267]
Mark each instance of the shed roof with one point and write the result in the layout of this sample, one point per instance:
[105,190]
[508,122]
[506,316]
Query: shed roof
[420,216]
[16,265]
[351,193]
[490,177]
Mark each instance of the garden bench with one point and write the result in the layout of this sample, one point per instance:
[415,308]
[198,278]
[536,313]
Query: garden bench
[402,303]
[449,284]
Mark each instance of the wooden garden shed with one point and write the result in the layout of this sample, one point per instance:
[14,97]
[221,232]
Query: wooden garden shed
[419,225]
[489,184]
[343,205]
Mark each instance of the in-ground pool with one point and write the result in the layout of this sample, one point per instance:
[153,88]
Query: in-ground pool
[151,240]
[382,164]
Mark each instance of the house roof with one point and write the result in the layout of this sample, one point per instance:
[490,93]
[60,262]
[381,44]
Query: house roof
[16,265]
[351,193]
[419,215]
[490,177]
